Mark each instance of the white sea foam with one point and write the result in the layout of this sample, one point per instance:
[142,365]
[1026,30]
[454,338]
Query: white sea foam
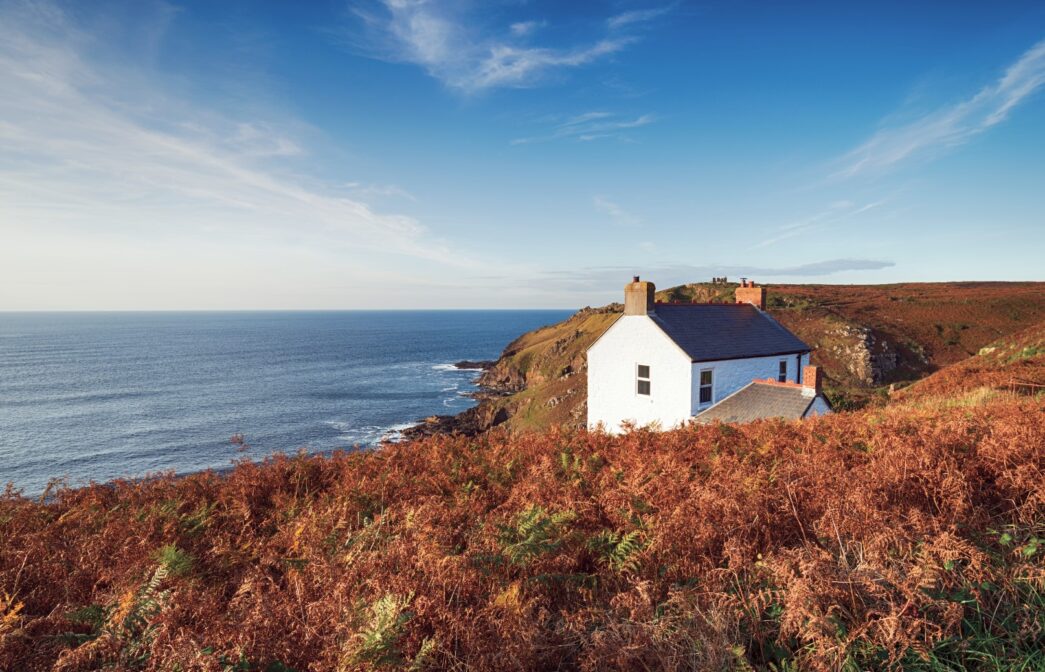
[338,425]
[454,367]
[394,433]
[366,435]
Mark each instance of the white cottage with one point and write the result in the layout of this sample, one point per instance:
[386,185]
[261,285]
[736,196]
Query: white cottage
[666,363]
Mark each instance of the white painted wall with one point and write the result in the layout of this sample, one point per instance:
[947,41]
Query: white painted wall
[612,364]
[819,407]
[730,375]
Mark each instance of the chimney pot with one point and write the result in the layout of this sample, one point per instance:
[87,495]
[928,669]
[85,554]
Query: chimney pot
[749,292]
[635,278]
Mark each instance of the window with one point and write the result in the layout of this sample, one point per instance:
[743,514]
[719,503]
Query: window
[705,387]
[643,379]
[782,376]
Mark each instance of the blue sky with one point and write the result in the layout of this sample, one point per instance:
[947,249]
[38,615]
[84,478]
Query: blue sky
[404,154]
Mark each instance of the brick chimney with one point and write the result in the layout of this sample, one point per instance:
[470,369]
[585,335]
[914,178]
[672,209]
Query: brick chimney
[813,378]
[749,292]
[638,297]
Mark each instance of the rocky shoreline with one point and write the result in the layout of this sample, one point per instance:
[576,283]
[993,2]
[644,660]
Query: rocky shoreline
[549,360]
[468,422]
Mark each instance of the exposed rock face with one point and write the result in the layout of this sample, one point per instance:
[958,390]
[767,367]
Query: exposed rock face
[474,365]
[473,421]
[867,356]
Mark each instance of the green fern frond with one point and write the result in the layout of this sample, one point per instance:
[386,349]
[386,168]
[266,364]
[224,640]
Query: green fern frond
[175,561]
[423,659]
[618,551]
[535,533]
[377,642]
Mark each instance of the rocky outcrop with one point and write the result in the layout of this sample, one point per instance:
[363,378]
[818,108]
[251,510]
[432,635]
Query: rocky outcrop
[474,365]
[473,421]
[867,356]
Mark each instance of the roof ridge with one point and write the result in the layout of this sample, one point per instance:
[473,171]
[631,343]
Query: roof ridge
[725,333]
[724,303]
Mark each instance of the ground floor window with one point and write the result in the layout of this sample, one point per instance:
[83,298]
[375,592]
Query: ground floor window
[643,386]
[782,376]
[705,386]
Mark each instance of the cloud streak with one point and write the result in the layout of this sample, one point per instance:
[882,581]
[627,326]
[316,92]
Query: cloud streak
[952,125]
[525,28]
[625,19]
[590,126]
[836,213]
[619,215]
[93,148]
[597,279]
[453,49]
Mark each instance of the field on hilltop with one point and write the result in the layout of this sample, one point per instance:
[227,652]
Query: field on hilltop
[899,537]
[866,337]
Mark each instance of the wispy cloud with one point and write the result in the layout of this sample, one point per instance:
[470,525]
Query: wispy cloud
[366,190]
[451,47]
[952,125]
[834,214]
[636,16]
[88,147]
[590,126]
[596,279]
[525,28]
[513,66]
[619,215]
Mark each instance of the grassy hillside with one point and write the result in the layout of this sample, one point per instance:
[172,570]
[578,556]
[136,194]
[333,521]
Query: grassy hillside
[865,336]
[886,538]
[1013,363]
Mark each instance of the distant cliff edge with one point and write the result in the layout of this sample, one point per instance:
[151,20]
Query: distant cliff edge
[866,337]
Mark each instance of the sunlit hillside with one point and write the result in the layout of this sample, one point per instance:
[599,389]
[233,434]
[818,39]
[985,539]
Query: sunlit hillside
[901,536]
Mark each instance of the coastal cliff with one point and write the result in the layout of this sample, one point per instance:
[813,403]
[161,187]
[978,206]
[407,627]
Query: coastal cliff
[866,337]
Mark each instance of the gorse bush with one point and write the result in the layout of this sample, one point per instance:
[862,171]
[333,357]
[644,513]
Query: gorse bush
[895,538]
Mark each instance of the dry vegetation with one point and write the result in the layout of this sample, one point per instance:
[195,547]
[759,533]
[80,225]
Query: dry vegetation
[944,322]
[1014,363]
[888,538]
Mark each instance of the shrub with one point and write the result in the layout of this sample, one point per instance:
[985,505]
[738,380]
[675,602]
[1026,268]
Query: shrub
[899,537]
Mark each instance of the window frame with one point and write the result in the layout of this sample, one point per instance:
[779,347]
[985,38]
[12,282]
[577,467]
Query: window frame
[640,379]
[710,385]
[781,375]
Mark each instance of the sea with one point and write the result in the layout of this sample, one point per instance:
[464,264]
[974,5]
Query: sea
[97,396]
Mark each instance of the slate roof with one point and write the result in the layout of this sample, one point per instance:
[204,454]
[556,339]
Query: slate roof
[759,400]
[714,331]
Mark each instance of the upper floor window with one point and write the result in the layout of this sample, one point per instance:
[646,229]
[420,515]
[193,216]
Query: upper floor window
[705,386]
[782,376]
[643,386]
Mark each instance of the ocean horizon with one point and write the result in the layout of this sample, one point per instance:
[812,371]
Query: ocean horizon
[88,395]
